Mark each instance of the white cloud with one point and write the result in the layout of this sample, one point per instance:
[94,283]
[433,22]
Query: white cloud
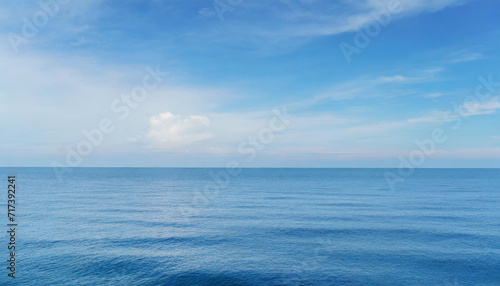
[432,117]
[487,107]
[395,78]
[376,128]
[434,95]
[465,56]
[471,153]
[168,131]
[206,12]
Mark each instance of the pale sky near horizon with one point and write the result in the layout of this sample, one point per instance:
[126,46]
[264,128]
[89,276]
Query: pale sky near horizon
[361,82]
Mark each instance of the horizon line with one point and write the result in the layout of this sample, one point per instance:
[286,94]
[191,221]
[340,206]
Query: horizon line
[251,167]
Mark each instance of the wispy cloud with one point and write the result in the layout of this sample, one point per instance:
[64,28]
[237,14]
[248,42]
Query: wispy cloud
[479,108]
[434,94]
[370,87]
[396,79]
[431,117]
[168,131]
[465,55]
[292,22]
[469,153]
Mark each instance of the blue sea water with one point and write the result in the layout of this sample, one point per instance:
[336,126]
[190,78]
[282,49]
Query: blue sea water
[169,226]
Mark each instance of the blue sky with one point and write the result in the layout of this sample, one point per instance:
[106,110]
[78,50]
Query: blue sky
[225,68]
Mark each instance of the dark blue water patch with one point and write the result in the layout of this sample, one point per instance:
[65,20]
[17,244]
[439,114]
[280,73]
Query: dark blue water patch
[346,205]
[132,243]
[206,279]
[421,267]
[439,218]
[97,268]
[141,223]
[155,243]
[403,235]
[126,210]
[330,218]
[254,207]
[417,218]
[251,278]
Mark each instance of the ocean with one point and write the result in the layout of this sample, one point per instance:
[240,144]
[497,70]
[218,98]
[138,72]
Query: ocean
[264,226]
